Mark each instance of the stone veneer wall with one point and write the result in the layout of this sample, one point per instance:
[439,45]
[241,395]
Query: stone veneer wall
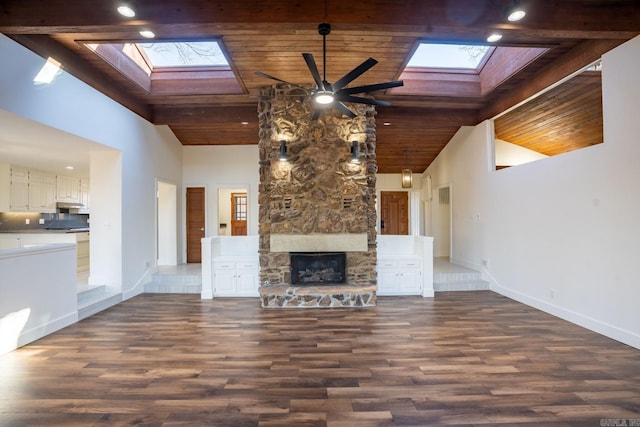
[317,191]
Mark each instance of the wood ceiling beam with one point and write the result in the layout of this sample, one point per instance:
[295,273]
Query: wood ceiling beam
[576,59]
[205,115]
[545,18]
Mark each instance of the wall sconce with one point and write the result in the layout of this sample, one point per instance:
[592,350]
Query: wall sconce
[407,178]
[283,150]
[355,152]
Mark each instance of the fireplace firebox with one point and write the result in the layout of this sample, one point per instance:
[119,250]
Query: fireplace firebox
[318,268]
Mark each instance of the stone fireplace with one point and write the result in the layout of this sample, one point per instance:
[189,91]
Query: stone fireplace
[317,202]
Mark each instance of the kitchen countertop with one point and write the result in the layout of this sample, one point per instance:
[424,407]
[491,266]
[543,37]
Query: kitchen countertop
[45,231]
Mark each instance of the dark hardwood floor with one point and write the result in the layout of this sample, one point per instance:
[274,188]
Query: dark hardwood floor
[465,358]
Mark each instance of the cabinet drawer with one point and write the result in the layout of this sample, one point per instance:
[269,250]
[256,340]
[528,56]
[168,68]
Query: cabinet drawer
[409,264]
[224,265]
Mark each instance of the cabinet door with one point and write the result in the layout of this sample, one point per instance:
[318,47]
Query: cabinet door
[409,281]
[84,195]
[247,282]
[67,189]
[49,193]
[387,281]
[224,281]
[19,189]
[9,242]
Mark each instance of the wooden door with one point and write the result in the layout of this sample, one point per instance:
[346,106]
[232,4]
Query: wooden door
[195,223]
[394,212]
[238,214]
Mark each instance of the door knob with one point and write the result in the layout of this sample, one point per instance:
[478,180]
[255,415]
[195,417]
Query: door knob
[202,229]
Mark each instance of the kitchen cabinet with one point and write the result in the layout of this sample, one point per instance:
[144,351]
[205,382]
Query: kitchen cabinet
[42,186]
[26,240]
[235,276]
[19,189]
[9,241]
[84,196]
[399,276]
[67,189]
[26,190]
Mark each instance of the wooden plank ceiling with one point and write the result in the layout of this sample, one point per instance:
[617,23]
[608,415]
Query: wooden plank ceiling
[270,35]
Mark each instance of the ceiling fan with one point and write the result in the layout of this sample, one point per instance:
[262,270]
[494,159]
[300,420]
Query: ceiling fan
[336,94]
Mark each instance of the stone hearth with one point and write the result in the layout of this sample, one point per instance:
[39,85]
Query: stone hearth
[318,200]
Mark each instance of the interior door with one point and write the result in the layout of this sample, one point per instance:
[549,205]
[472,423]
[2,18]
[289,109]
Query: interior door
[195,223]
[394,212]
[238,214]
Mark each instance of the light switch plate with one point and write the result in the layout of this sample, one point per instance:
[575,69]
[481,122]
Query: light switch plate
[41,221]
[27,221]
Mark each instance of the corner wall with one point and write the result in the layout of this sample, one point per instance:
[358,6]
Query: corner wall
[560,234]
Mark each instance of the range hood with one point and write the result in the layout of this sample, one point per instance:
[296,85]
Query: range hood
[69,205]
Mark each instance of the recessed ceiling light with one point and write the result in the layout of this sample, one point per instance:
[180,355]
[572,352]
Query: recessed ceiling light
[516,15]
[494,37]
[147,34]
[386,124]
[244,123]
[126,11]
[69,168]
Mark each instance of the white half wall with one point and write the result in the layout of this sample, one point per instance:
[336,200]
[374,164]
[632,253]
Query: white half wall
[560,234]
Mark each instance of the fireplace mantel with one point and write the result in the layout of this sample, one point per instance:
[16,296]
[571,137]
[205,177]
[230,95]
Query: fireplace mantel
[343,242]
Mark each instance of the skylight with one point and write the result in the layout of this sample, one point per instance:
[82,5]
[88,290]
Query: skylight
[430,55]
[183,54]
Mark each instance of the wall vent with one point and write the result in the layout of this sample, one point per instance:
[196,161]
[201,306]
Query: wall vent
[443,196]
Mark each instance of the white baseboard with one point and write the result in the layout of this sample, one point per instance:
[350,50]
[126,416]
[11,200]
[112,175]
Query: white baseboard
[595,325]
[138,288]
[47,328]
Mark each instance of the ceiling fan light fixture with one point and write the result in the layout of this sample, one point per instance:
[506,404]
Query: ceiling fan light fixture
[323,97]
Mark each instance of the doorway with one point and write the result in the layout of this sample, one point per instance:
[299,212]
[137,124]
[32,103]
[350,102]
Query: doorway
[394,212]
[166,232]
[195,208]
[441,214]
[238,214]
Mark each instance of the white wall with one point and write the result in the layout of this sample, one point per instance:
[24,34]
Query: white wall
[223,167]
[561,233]
[148,152]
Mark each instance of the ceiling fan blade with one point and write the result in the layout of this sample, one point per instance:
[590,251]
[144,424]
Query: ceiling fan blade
[372,88]
[348,98]
[354,74]
[267,76]
[313,68]
[343,108]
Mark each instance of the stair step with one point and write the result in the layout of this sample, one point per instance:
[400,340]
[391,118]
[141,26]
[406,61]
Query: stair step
[461,285]
[91,293]
[98,303]
[176,278]
[167,287]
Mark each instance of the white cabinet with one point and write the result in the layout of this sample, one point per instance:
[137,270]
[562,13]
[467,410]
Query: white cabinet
[26,190]
[9,241]
[235,276]
[84,196]
[19,189]
[67,189]
[42,186]
[399,276]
